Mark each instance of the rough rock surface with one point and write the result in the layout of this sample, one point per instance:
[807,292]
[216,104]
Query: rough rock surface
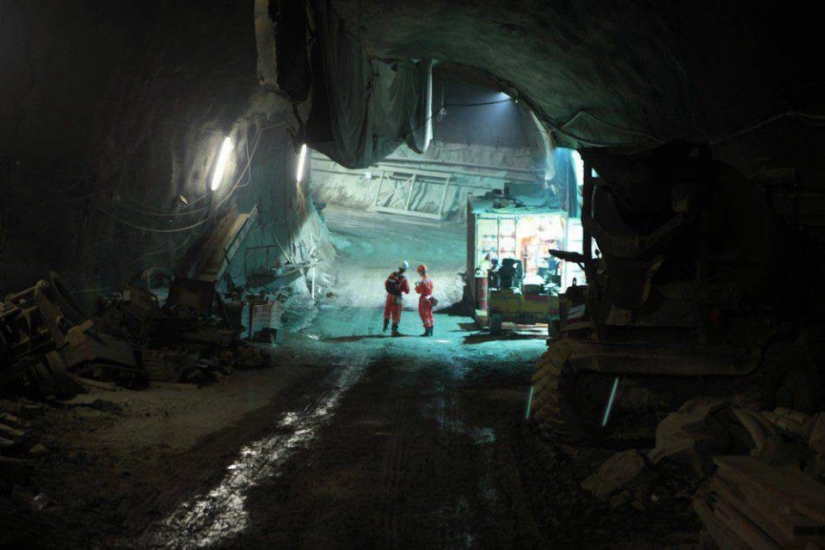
[661,68]
[112,111]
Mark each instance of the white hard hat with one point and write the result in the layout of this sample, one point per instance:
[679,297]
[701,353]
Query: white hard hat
[404,264]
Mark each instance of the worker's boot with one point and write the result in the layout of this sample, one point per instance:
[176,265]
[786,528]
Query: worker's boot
[386,324]
[426,332]
[395,330]
[430,330]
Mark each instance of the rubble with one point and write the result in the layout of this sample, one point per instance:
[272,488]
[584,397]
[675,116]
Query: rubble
[619,473]
[793,423]
[132,342]
[748,504]
[816,442]
[50,349]
[17,447]
[692,434]
[770,497]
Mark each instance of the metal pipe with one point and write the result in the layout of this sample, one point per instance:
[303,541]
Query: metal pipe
[451,172]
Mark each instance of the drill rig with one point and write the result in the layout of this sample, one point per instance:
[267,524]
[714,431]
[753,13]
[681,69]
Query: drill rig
[688,294]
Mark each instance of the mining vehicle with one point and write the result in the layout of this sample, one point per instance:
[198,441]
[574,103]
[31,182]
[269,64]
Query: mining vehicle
[512,299]
[698,289]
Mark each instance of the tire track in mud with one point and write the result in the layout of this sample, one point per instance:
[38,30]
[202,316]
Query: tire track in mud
[454,518]
[217,516]
[395,476]
[391,479]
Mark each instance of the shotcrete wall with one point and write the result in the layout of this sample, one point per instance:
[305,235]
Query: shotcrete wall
[111,118]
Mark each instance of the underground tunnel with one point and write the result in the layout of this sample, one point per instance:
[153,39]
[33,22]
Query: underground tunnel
[419,274]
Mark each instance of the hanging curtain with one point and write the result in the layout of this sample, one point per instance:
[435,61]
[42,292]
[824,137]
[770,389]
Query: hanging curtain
[362,108]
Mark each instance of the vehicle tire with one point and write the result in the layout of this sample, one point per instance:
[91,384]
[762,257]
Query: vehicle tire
[554,406]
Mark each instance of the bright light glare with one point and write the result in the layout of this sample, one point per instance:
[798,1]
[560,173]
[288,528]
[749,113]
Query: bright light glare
[301,160]
[578,167]
[223,157]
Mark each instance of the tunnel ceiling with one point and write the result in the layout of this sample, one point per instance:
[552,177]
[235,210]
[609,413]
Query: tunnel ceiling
[466,92]
[661,69]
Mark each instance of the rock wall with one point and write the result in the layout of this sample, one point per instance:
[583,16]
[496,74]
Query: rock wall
[111,118]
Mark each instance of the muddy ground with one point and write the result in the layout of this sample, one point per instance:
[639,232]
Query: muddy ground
[351,439]
[392,453]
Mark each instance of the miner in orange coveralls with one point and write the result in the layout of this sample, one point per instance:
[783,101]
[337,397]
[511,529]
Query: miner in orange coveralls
[425,305]
[396,285]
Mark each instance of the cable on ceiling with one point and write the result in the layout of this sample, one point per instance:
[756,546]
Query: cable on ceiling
[806,118]
[235,187]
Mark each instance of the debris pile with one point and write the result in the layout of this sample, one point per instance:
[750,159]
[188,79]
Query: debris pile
[757,478]
[693,434]
[749,504]
[49,346]
[624,478]
[18,447]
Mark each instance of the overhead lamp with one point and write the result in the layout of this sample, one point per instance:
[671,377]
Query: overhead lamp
[223,157]
[301,161]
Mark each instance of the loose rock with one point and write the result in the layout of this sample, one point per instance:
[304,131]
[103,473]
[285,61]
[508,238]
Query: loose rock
[692,434]
[623,470]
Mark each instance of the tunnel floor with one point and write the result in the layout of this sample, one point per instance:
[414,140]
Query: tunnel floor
[353,440]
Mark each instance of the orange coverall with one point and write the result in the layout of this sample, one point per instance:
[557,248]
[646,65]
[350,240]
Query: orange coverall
[425,306]
[394,304]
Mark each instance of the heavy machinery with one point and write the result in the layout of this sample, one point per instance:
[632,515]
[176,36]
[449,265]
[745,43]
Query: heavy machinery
[697,291]
[514,300]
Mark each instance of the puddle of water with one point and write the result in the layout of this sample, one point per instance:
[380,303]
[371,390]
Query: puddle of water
[220,514]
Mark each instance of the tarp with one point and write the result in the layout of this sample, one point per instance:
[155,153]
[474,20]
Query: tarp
[283,58]
[362,108]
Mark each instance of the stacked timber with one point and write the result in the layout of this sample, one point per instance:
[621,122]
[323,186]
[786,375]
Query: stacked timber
[747,504]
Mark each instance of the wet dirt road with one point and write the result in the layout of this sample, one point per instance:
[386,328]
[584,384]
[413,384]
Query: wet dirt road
[401,443]
[352,439]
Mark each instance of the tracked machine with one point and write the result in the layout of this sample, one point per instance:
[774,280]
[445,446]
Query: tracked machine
[694,287]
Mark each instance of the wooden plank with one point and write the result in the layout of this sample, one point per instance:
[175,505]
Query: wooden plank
[721,533]
[224,244]
[797,490]
[95,384]
[10,433]
[10,419]
[744,528]
[173,386]
[785,527]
